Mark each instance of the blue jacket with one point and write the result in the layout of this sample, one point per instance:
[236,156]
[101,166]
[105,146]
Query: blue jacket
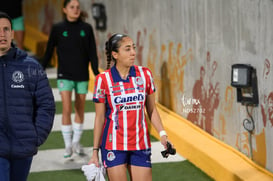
[27,105]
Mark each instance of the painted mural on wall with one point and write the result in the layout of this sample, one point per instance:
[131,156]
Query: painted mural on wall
[206,94]
[220,129]
[168,70]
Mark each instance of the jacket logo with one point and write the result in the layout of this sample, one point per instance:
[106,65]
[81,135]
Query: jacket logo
[18,77]
[82,33]
[65,34]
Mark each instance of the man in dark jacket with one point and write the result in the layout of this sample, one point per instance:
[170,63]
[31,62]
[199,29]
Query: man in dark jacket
[27,107]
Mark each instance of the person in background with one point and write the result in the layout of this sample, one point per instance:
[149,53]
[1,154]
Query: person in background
[76,48]
[14,8]
[121,130]
[27,106]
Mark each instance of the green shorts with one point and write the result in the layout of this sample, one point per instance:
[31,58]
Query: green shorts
[81,87]
[18,24]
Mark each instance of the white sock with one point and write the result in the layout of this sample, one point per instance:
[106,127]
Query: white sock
[78,129]
[67,135]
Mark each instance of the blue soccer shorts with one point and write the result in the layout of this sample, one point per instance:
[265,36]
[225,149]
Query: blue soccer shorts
[111,158]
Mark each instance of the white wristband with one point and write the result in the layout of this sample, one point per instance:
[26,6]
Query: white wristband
[162,133]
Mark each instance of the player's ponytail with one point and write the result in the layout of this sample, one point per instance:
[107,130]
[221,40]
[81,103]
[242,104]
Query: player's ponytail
[108,55]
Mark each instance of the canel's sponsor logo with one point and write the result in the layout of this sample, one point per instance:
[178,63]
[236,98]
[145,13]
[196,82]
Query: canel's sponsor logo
[17,86]
[130,107]
[129,98]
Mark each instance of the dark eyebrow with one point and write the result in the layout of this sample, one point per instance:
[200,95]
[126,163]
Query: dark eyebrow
[7,28]
[130,45]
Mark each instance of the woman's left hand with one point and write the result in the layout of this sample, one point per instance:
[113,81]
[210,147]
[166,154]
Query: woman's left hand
[164,140]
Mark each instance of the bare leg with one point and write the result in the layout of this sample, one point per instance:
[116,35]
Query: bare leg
[67,107]
[140,173]
[117,173]
[79,107]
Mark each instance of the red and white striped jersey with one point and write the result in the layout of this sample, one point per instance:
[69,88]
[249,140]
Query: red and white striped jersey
[125,125]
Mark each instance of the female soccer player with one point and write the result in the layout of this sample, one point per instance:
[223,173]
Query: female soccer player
[76,48]
[121,130]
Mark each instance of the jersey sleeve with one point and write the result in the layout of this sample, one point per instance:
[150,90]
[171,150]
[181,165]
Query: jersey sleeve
[99,95]
[150,82]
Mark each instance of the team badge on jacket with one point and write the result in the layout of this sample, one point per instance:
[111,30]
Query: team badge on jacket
[17,78]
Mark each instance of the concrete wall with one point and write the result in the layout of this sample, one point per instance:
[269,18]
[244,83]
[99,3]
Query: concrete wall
[190,46]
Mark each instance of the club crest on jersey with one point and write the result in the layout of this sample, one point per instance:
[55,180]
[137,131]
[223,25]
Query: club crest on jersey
[139,81]
[111,156]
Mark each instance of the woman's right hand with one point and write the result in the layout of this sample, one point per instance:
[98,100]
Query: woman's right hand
[94,159]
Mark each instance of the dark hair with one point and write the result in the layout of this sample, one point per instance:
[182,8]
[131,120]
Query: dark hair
[6,16]
[66,2]
[113,44]
[83,14]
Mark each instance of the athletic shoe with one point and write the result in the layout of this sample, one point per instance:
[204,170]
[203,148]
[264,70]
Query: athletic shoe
[77,148]
[68,152]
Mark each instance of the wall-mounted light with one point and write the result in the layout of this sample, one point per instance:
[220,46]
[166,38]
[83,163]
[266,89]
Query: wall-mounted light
[99,14]
[243,77]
